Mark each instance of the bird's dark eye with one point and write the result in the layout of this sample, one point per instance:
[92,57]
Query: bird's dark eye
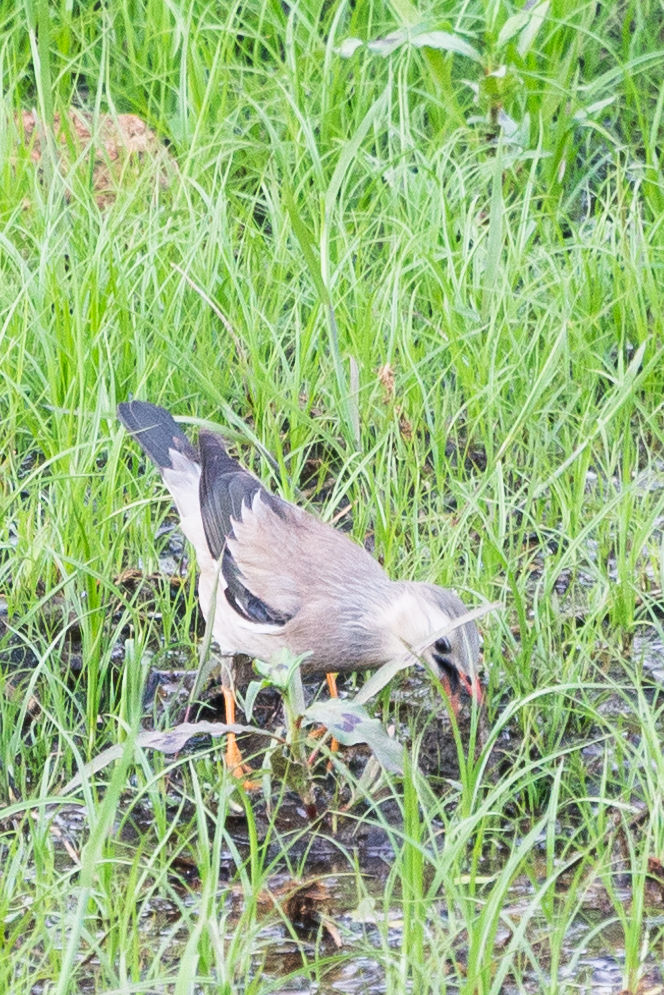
[442,653]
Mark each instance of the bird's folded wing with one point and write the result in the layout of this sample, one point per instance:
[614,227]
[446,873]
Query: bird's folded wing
[229,499]
[298,564]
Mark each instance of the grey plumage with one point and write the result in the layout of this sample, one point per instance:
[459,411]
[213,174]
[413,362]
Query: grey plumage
[287,579]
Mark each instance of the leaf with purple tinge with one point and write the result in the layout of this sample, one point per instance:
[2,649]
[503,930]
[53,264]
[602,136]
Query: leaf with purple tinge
[351,724]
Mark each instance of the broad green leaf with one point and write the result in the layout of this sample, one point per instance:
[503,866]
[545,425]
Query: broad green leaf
[167,741]
[279,671]
[526,23]
[389,43]
[351,724]
[527,36]
[253,690]
[443,41]
[348,47]
[511,27]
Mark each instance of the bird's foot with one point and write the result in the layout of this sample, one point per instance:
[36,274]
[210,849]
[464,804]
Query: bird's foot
[236,765]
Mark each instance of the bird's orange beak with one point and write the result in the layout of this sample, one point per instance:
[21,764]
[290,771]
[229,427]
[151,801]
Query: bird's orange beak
[473,688]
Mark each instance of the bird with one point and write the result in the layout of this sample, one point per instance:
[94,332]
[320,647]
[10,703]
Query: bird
[274,576]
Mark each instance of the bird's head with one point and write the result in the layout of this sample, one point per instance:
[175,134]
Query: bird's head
[429,621]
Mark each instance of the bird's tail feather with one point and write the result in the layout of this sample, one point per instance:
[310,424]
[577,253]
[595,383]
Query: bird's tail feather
[156,432]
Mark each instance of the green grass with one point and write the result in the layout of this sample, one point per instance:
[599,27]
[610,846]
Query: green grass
[488,226]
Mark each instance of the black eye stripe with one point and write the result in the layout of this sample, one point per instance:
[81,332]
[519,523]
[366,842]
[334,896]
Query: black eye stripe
[443,646]
[449,670]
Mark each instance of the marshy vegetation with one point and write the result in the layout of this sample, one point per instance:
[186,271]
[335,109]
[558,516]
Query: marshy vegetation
[409,260]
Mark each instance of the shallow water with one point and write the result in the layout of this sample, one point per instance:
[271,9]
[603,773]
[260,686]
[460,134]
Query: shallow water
[330,915]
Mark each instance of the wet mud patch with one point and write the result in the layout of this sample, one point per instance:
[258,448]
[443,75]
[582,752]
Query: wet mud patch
[329,890]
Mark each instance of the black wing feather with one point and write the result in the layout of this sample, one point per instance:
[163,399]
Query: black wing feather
[224,488]
[226,491]
[247,604]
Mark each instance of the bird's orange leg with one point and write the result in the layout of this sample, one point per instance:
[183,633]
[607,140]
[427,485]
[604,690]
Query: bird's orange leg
[234,761]
[332,688]
[321,730]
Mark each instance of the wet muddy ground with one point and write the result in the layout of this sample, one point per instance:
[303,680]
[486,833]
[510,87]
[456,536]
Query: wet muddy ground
[321,911]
